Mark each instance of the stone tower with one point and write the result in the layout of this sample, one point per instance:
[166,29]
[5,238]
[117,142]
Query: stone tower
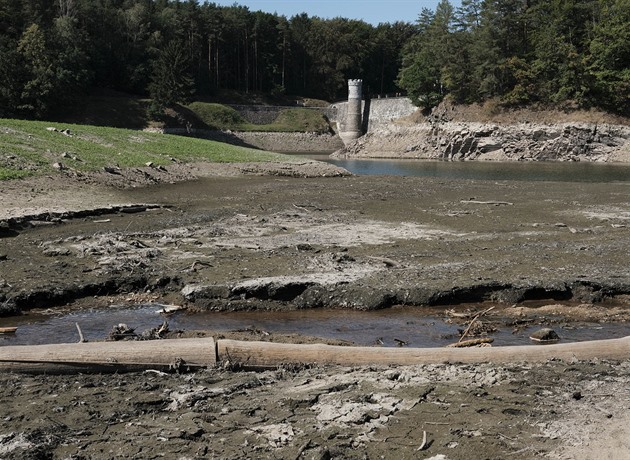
[352,128]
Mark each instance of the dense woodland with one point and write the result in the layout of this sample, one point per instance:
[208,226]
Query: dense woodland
[52,53]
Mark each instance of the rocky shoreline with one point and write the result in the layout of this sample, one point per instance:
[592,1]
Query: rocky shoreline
[452,140]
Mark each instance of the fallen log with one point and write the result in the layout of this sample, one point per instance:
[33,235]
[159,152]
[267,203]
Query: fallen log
[8,330]
[120,356]
[205,352]
[271,355]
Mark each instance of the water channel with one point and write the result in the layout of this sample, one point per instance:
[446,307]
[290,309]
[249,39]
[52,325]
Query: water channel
[416,327]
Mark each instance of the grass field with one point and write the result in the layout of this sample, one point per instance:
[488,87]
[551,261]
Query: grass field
[219,116]
[31,148]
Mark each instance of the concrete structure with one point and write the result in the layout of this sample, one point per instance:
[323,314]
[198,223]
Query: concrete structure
[385,110]
[356,117]
[351,128]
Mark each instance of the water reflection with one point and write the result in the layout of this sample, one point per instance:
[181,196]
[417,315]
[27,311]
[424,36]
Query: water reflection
[485,170]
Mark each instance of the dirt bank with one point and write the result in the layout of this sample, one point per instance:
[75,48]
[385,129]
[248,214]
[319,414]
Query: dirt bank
[271,141]
[234,239]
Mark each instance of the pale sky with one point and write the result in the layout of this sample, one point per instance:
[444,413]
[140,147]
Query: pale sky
[371,11]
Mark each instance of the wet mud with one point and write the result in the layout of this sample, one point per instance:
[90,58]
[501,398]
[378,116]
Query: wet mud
[288,243]
[355,242]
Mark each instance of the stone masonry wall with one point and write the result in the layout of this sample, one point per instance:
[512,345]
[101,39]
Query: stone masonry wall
[381,111]
[277,142]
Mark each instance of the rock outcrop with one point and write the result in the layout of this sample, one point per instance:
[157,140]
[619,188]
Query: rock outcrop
[487,141]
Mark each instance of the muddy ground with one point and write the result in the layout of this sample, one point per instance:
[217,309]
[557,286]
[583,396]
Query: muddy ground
[305,236]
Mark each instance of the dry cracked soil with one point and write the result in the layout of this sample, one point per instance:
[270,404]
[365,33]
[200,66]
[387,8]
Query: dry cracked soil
[281,237]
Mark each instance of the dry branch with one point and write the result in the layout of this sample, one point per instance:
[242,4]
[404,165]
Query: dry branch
[387,261]
[424,442]
[472,321]
[81,338]
[492,202]
[471,342]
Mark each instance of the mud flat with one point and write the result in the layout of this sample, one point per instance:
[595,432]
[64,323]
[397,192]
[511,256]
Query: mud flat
[307,236]
[284,242]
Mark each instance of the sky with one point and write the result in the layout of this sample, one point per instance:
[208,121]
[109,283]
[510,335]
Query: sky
[370,11]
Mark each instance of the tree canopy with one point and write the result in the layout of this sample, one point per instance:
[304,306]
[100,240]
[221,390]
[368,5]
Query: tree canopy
[52,52]
[517,51]
[522,52]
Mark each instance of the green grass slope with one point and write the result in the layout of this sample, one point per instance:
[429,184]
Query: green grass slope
[217,116]
[30,148]
[290,120]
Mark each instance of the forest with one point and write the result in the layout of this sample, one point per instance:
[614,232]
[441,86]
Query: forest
[518,52]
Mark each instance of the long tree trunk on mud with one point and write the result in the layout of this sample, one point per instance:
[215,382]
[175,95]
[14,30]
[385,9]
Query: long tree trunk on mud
[205,352]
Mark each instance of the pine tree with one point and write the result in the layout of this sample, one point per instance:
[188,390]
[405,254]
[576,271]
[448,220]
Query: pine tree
[171,81]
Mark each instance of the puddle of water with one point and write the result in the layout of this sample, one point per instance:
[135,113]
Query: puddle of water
[416,326]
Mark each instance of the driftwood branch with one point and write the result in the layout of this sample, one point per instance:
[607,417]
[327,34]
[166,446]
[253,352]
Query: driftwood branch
[424,442]
[81,338]
[472,321]
[386,260]
[491,202]
[471,342]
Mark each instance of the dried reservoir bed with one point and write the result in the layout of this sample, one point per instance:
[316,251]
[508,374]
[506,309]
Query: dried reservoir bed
[284,242]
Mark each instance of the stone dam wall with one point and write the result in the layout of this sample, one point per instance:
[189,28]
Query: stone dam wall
[376,112]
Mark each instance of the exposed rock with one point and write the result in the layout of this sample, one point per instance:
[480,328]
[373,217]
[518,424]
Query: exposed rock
[111,170]
[195,292]
[484,141]
[544,335]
